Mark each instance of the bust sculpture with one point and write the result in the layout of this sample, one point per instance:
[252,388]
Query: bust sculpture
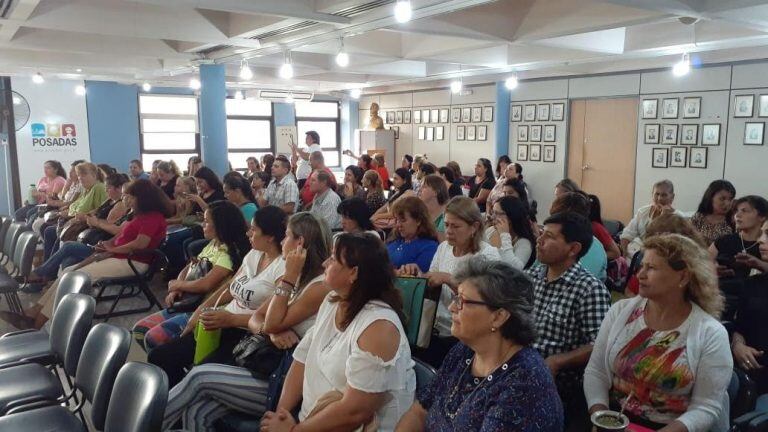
[375,122]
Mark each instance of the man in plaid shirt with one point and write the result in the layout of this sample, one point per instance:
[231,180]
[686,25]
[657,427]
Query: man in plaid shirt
[569,306]
[282,190]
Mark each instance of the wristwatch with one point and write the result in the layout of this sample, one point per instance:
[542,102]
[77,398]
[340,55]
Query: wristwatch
[282,292]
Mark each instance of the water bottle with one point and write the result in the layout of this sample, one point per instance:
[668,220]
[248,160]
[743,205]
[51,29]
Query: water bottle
[32,194]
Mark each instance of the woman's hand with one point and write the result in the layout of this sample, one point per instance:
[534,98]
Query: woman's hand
[171,298]
[409,270]
[439,278]
[723,271]
[746,356]
[502,224]
[284,339]
[294,262]
[280,421]
[750,261]
[216,319]
[176,285]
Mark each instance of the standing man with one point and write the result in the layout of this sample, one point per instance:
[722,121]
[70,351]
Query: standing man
[136,169]
[569,306]
[317,163]
[303,169]
[326,199]
[282,191]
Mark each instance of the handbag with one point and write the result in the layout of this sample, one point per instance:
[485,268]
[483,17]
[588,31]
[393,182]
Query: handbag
[258,354]
[188,302]
[69,229]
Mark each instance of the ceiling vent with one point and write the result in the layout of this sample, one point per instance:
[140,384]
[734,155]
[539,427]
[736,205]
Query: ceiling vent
[282,95]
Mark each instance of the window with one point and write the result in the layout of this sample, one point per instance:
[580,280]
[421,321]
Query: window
[249,130]
[169,129]
[322,117]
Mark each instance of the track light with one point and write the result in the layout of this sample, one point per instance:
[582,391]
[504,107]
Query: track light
[342,58]
[456,86]
[511,82]
[194,84]
[403,11]
[356,93]
[146,86]
[683,66]
[38,78]
[245,70]
[80,90]
[286,70]
[239,95]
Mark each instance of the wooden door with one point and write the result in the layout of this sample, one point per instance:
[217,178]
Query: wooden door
[601,152]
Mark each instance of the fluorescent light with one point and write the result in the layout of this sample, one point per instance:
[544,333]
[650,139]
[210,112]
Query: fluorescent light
[342,59]
[403,11]
[78,70]
[511,82]
[194,84]
[239,95]
[286,71]
[80,90]
[146,86]
[245,71]
[356,93]
[683,66]
[456,86]
[38,78]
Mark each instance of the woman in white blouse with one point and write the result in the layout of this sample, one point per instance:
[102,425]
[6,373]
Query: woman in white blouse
[354,367]
[511,232]
[663,355]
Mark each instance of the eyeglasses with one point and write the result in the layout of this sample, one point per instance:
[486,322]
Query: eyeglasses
[460,301]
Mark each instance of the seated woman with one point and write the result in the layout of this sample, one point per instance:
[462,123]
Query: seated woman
[448,176]
[663,195]
[714,217]
[505,170]
[167,174]
[463,241]
[259,182]
[145,231]
[416,175]
[374,193]
[224,252]
[511,232]
[209,188]
[353,183]
[355,216]
[49,186]
[732,251]
[434,194]
[481,184]
[71,192]
[207,393]
[413,241]
[599,230]
[254,282]
[354,367]
[663,357]
[491,380]
[383,217]
[185,207]
[237,190]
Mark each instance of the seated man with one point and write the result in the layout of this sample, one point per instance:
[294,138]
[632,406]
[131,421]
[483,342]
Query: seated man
[326,201]
[317,162]
[282,190]
[569,306]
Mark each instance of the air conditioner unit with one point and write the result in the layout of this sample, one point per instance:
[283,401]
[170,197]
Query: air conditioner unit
[281,95]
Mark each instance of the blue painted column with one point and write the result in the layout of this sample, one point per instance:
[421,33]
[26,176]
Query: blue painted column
[502,119]
[213,118]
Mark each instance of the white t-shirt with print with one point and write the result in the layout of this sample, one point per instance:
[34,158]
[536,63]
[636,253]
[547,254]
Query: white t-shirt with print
[250,289]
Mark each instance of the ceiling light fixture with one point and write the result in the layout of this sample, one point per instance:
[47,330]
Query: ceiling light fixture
[342,58]
[683,66]
[239,95]
[38,78]
[80,90]
[403,11]
[78,70]
[356,93]
[146,86]
[511,82]
[194,84]
[456,86]
[286,70]
[245,70]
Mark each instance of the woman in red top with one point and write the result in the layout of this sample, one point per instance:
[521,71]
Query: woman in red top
[146,231]
[612,250]
[381,168]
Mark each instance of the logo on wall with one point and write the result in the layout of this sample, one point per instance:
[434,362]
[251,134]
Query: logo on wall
[53,135]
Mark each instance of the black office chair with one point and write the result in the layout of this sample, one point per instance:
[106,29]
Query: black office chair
[132,286]
[9,244]
[10,283]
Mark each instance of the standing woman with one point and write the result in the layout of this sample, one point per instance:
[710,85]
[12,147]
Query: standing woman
[167,174]
[374,192]
[481,184]
[511,232]
[413,241]
[714,218]
[381,168]
[353,183]
[434,194]
[50,185]
[732,251]
[383,217]
[237,190]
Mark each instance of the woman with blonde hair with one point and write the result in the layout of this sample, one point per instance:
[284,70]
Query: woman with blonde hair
[374,196]
[167,175]
[663,356]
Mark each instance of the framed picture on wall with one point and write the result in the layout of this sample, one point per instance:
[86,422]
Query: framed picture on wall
[390,117]
[430,134]
[558,112]
[549,133]
[434,116]
[753,133]
[763,110]
[549,153]
[407,117]
[692,107]
[522,133]
[487,114]
[689,134]
[650,107]
[517,113]
[669,134]
[443,115]
[678,157]
[460,131]
[440,133]
[659,157]
[710,134]
[742,105]
[456,115]
[421,135]
[399,117]
[530,113]
[698,157]
[466,115]
[535,133]
[425,116]
[652,133]
[397,131]
[522,152]
[535,152]
[471,133]
[482,132]
[477,114]
[669,108]
[542,112]
[417,116]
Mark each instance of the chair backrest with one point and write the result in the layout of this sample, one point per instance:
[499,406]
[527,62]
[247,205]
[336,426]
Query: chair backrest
[75,282]
[412,291]
[14,231]
[25,252]
[138,399]
[69,328]
[104,353]
[4,228]
[634,267]
[424,373]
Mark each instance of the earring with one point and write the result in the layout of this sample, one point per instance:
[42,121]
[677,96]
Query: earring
[493,329]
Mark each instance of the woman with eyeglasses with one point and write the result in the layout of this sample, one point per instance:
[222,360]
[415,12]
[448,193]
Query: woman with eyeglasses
[491,380]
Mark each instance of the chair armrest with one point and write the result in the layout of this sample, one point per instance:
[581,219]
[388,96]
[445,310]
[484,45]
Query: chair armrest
[759,423]
[31,405]
[18,333]
[156,254]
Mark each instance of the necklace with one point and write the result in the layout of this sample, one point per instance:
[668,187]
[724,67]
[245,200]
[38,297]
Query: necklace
[745,249]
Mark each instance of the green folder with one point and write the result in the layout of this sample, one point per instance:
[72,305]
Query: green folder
[206,342]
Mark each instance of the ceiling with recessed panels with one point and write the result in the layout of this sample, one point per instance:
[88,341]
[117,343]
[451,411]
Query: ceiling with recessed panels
[161,41]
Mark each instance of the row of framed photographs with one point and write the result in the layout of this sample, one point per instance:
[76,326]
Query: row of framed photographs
[669,108]
[743,106]
[478,114]
[679,157]
[532,152]
[540,112]
[463,133]
[533,133]
[689,134]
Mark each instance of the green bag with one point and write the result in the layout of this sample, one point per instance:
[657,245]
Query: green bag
[206,342]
